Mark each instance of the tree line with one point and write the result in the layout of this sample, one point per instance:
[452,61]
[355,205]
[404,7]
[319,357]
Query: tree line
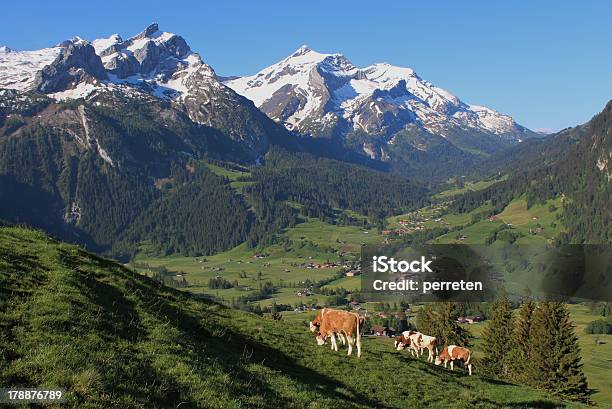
[537,347]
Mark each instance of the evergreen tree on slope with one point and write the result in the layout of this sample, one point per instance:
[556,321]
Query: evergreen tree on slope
[555,363]
[497,336]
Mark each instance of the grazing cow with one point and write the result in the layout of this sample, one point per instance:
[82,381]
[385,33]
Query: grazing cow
[403,340]
[318,319]
[410,339]
[334,322]
[430,343]
[315,324]
[454,353]
[417,343]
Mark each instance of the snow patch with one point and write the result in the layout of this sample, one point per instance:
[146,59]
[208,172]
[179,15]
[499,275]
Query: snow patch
[18,68]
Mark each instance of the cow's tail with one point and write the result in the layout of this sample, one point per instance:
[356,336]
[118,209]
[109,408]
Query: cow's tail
[436,346]
[469,357]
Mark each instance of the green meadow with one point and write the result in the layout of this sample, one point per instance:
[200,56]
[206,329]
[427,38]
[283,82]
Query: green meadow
[467,187]
[313,242]
[113,338]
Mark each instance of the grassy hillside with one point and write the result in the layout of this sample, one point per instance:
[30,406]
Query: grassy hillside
[116,339]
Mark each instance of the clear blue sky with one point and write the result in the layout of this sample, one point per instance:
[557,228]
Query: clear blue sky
[547,63]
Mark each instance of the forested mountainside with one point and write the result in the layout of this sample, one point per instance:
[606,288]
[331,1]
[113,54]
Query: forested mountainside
[86,171]
[573,164]
[113,172]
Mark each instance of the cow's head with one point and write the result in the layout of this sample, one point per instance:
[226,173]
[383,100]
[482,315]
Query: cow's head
[401,343]
[438,360]
[313,327]
[320,339]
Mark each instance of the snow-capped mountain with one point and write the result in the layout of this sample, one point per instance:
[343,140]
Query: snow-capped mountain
[153,62]
[315,93]
[381,111]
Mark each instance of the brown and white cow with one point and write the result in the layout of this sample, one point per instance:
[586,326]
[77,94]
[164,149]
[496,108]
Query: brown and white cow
[316,323]
[430,343]
[417,342]
[454,353]
[317,320]
[331,322]
[403,340]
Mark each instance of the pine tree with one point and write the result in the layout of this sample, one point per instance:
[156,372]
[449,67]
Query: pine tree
[448,330]
[497,336]
[425,319]
[555,361]
[520,356]
[440,321]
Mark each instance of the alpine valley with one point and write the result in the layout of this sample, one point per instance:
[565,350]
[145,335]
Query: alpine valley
[252,197]
[122,143]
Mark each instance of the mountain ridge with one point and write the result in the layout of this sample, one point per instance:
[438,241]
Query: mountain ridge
[308,93]
[316,93]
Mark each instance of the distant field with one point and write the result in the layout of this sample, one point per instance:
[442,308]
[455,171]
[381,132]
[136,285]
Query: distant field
[537,224]
[313,242]
[437,216]
[475,233]
[538,216]
[468,186]
[348,283]
[232,175]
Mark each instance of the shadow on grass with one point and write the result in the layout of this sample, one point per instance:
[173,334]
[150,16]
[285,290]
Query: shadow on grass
[226,345]
[130,306]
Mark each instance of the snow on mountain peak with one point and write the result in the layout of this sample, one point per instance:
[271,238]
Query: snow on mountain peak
[19,68]
[101,44]
[309,91]
[302,50]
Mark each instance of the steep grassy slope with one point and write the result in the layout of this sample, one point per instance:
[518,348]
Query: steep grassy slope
[115,339]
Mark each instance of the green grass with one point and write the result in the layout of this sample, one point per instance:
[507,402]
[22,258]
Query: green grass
[475,233]
[348,283]
[597,359]
[537,224]
[313,242]
[114,338]
[232,175]
[437,216]
[228,173]
[467,187]
[538,216]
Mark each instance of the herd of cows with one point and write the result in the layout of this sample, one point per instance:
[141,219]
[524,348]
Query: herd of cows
[344,326]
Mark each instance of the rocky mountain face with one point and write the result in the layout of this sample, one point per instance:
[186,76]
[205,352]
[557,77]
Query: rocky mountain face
[326,95]
[154,62]
[100,140]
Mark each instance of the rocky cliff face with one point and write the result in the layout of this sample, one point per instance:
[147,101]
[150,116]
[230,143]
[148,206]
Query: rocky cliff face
[158,63]
[76,63]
